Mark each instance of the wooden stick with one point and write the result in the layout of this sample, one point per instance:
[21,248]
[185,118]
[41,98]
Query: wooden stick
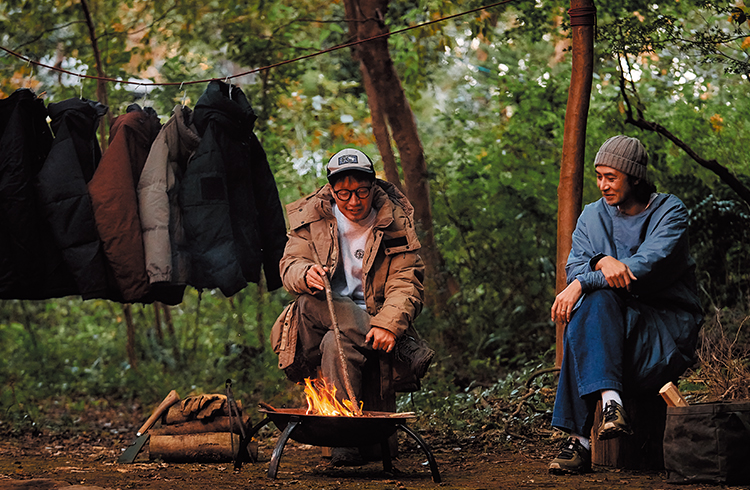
[342,359]
[672,395]
[337,334]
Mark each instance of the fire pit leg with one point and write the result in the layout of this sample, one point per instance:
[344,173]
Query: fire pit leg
[258,426]
[246,440]
[426,449]
[276,455]
[385,453]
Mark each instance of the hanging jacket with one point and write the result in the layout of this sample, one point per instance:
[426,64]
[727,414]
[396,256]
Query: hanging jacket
[113,194]
[233,219]
[30,265]
[161,217]
[63,194]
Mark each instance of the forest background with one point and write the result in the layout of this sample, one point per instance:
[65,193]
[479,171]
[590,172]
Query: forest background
[488,91]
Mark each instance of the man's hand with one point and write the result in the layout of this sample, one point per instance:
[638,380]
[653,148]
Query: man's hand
[617,274]
[314,277]
[381,339]
[562,308]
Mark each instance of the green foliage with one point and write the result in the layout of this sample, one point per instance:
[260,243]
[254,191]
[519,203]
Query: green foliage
[489,92]
[518,404]
[493,150]
[73,348]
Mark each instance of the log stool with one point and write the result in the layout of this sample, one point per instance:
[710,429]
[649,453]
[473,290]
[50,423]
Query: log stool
[644,449]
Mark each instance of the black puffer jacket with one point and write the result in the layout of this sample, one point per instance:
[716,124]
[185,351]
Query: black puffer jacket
[233,219]
[64,196]
[31,267]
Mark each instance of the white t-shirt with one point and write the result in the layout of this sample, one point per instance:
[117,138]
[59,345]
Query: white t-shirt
[347,280]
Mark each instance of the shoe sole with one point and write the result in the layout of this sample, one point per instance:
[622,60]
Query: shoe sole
[613,432]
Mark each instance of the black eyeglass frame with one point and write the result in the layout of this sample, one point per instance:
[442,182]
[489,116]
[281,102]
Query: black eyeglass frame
[360,192]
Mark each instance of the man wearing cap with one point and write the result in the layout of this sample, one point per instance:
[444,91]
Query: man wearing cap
[631,304]
[358,231]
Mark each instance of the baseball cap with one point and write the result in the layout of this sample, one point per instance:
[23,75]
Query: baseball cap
[349,159]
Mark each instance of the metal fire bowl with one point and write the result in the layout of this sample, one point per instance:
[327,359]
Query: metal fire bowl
[337,431]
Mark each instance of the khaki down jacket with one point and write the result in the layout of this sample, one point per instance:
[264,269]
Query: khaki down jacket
[161,216]
[393,271]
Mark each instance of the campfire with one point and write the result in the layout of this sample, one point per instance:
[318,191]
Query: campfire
[329,422]
[321,400]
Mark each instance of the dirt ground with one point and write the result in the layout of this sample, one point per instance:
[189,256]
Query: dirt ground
[87,461]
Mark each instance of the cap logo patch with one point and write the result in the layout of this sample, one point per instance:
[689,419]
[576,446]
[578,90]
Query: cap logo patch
[346,159]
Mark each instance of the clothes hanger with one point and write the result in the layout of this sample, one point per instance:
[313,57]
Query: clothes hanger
[184,95]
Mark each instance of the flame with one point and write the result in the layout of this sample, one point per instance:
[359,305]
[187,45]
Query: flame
[321,400]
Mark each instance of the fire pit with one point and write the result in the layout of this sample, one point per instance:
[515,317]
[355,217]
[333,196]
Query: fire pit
[340,431]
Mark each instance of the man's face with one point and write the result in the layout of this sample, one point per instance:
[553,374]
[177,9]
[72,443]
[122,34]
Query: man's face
[614,186]
[355,208]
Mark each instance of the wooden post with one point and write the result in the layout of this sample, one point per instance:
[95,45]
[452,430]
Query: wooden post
[570,189]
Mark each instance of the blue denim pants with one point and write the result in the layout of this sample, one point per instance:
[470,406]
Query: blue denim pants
[593,352]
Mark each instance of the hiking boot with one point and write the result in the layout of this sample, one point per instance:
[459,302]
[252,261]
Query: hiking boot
[573,459]
[415,353]
[614,422]
[346,456]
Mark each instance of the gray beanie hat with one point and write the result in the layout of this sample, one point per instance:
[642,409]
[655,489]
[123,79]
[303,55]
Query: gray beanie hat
[625,154]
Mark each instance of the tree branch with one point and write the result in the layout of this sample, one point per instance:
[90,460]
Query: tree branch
[721,171]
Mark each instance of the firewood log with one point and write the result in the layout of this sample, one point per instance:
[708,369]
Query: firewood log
[672,396]
[207,447]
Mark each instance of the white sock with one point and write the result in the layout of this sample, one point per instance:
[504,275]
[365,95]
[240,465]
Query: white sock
[610,395]
[583,440]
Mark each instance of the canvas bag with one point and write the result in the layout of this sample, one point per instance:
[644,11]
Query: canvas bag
[708,442]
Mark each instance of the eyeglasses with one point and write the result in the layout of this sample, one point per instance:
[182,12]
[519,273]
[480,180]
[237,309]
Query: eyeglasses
[346,194]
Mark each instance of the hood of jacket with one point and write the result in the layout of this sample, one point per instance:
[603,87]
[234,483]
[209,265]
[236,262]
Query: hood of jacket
[181,136]
[233,113]
[392,207]
[84,114]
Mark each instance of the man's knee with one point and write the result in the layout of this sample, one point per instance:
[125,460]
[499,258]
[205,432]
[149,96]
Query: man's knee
[602,302]
[352,352]
[603,306]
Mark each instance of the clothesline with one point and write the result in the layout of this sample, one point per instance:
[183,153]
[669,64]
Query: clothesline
[254,70]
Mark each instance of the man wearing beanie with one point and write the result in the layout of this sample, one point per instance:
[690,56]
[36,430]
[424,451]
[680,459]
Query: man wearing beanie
[357,231]
[631,305]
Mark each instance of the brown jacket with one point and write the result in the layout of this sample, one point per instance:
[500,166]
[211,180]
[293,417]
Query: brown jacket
[393,271]
[115,202]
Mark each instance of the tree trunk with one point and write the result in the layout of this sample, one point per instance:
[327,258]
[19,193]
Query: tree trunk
[101,85]
[365,21]
[259,318]
[381,132]
[570,189]
[172,333]
[130,346]
[157,323]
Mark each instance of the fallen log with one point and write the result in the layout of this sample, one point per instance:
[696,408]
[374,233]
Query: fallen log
[215,424]
[207,447]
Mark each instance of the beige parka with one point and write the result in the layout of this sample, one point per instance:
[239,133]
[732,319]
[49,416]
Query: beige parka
[393,271]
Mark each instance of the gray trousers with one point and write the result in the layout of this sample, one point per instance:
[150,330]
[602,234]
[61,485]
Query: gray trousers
[317,342]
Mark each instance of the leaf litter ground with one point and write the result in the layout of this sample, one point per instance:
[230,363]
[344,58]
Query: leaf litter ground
[85,459]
